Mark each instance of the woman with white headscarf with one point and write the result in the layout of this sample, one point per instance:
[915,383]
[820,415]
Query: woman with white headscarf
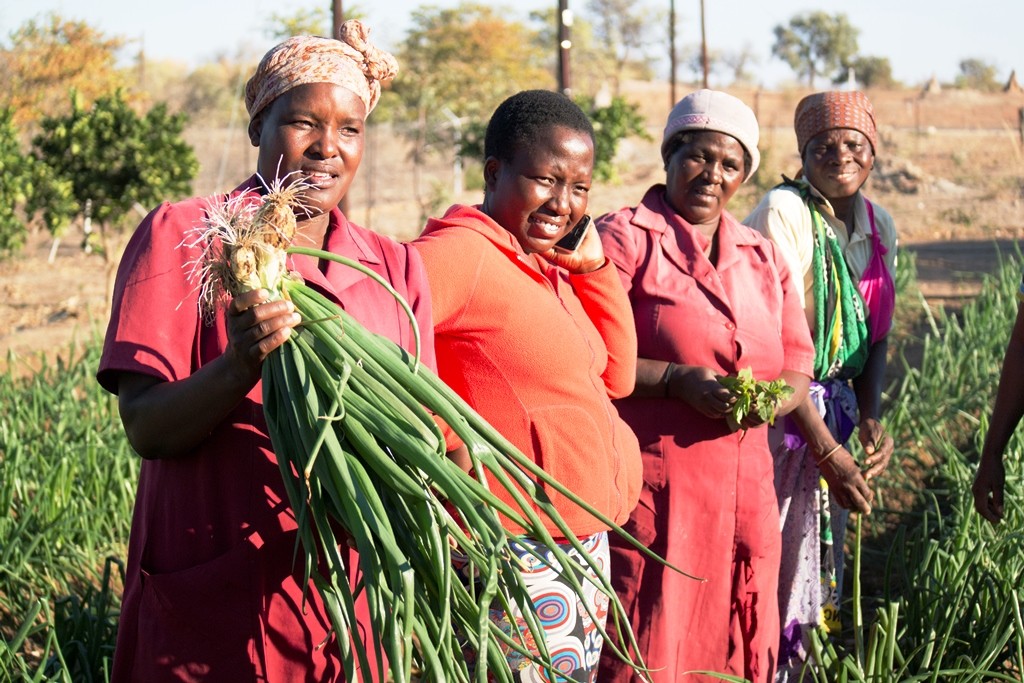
[710,298]
[213,591]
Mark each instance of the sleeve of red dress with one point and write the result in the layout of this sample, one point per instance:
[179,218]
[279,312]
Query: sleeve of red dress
[154,311]
[619,240]
[607,305]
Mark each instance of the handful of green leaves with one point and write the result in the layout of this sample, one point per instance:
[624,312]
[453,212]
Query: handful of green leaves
[757,397]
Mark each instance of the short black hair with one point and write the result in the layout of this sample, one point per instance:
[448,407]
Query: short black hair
[520,119]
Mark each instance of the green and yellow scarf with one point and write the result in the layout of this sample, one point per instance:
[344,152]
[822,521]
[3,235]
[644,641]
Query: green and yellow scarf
[841,341]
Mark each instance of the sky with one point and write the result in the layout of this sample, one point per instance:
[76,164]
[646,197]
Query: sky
[921,38]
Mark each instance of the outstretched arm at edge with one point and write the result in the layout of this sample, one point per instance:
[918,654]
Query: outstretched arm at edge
[1006,415]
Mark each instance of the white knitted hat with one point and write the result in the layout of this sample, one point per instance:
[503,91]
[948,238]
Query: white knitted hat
[719,112]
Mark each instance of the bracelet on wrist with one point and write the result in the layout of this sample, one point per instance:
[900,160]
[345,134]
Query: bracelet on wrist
[828,455]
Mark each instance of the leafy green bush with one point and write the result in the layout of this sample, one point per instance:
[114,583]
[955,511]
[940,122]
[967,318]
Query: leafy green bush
[15,170]
[113,158]
[612,124]
[106,156]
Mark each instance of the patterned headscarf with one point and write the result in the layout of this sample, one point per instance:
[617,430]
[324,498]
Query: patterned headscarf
[834,109]
[350,62]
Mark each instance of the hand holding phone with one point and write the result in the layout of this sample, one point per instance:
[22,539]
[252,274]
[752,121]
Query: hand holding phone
[572,239]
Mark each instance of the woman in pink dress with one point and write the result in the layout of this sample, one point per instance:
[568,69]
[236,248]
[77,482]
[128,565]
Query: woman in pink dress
[710,297]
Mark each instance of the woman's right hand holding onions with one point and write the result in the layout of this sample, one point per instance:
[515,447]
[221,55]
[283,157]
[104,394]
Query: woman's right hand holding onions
[256,325]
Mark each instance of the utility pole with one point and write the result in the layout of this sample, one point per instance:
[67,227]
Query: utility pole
[337,19]
[703,45]
[338,15]
[672,53]
[564,45]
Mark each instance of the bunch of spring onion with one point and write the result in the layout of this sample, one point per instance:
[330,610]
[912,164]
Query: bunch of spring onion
[351,419]
[754,397]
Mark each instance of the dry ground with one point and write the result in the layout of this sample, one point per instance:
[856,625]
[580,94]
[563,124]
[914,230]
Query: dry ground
[950,170]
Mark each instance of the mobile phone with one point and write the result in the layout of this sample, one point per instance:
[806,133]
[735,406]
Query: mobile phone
[571,240]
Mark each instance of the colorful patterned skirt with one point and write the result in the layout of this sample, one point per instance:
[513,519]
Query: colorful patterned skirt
[813,529]
[571,634]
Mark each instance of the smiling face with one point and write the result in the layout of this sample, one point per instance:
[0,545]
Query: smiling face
[701,176]
[314,131]
[837,162]
[543,190]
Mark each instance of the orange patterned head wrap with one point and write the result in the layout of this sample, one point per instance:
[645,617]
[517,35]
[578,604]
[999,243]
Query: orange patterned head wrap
[351,62]
[834,109]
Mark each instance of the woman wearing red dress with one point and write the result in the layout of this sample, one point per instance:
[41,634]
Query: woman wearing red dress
[710,297]
[213,592]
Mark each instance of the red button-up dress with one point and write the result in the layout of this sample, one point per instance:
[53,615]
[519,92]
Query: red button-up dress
[708,503]
[213,591]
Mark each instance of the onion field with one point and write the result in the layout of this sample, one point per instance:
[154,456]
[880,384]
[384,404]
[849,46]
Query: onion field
[935,593]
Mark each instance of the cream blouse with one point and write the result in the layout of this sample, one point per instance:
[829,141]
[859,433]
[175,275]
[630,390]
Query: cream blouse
[782,217]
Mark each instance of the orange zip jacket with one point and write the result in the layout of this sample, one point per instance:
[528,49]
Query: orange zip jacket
[539,355]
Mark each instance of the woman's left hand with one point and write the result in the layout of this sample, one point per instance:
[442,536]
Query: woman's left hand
[878,446]
[752,420]
[846,483]
[588,257]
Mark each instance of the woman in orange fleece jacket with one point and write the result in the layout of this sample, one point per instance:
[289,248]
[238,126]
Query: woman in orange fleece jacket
[539,341]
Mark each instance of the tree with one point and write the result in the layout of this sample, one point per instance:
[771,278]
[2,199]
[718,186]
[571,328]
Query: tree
[738,62]
[15,170]
[51,196]
[692,59]
[976,74]
[625,30]
[871,72]
[210,94]
[468,58]
[460,63]
[722,64]
[308,21]
[50,56]
[816,43]
[213,92]
[112,158]
[315,21]
[612,124]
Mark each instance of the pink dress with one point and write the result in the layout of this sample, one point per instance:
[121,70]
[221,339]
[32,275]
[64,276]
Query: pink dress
[708,503]
[213,592]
